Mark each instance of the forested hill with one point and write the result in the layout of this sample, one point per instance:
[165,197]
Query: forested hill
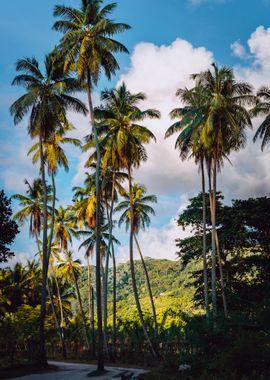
[168,282]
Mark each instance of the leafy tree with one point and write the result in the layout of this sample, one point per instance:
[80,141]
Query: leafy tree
[8,228]
[244,243]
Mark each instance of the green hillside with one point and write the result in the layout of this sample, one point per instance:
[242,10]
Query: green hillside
[170,284]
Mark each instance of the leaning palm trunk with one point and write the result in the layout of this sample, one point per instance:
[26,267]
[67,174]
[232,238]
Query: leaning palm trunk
[206,298]
[224,301]
[148,285]
[80,306]
[98,225]
[132,268]
[57,326]
[42,357]
[59,300]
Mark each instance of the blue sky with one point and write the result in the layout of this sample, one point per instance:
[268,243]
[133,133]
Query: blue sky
[180,26]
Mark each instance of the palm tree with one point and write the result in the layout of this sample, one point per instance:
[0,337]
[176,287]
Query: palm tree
[54,156]
[32,209]
[107,240]
[64,229]
[31,206]
[120,115]
[191,119]
[262,108]
[47,100]
[111,184]
[225,121]
[69,270]
[87,45]
[141,220]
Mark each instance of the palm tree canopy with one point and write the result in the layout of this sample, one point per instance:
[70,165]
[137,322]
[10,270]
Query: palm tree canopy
[225,113]
[191,120]
[87,44]
[64,227]
[68,267]
[47,96]
[124,136]
[31,205]
[90,241]
[141,208]
[262,108]
[53,149]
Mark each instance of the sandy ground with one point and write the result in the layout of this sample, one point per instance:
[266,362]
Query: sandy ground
[78,371]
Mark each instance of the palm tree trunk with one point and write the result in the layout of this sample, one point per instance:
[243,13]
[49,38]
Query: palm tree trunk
[89,287]
[52,221]
[81,307]
[132,268]
[105,290]
[57,326]
[148,285]
[205,280]
[59,300]
[98,225]
[114,302]
[93,323]
[213,214]
[42,357]
[224,301]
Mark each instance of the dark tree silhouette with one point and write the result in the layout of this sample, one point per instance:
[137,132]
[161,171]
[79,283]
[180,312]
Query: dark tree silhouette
[8,228]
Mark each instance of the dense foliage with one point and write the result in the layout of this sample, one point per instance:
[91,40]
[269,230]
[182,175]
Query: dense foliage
[8,228]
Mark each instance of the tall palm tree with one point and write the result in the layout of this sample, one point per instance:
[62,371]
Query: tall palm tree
[47,100]
[262,108]
[111,184]
[55,157]
[225,121]
[32,209]
[141,219]
[121,116]
[64,229]
[190,121]
[69,270]
[87,45]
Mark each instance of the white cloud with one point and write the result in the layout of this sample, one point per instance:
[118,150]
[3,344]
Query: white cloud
[158,243]
[15,164]
[238,50]
[258,71]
